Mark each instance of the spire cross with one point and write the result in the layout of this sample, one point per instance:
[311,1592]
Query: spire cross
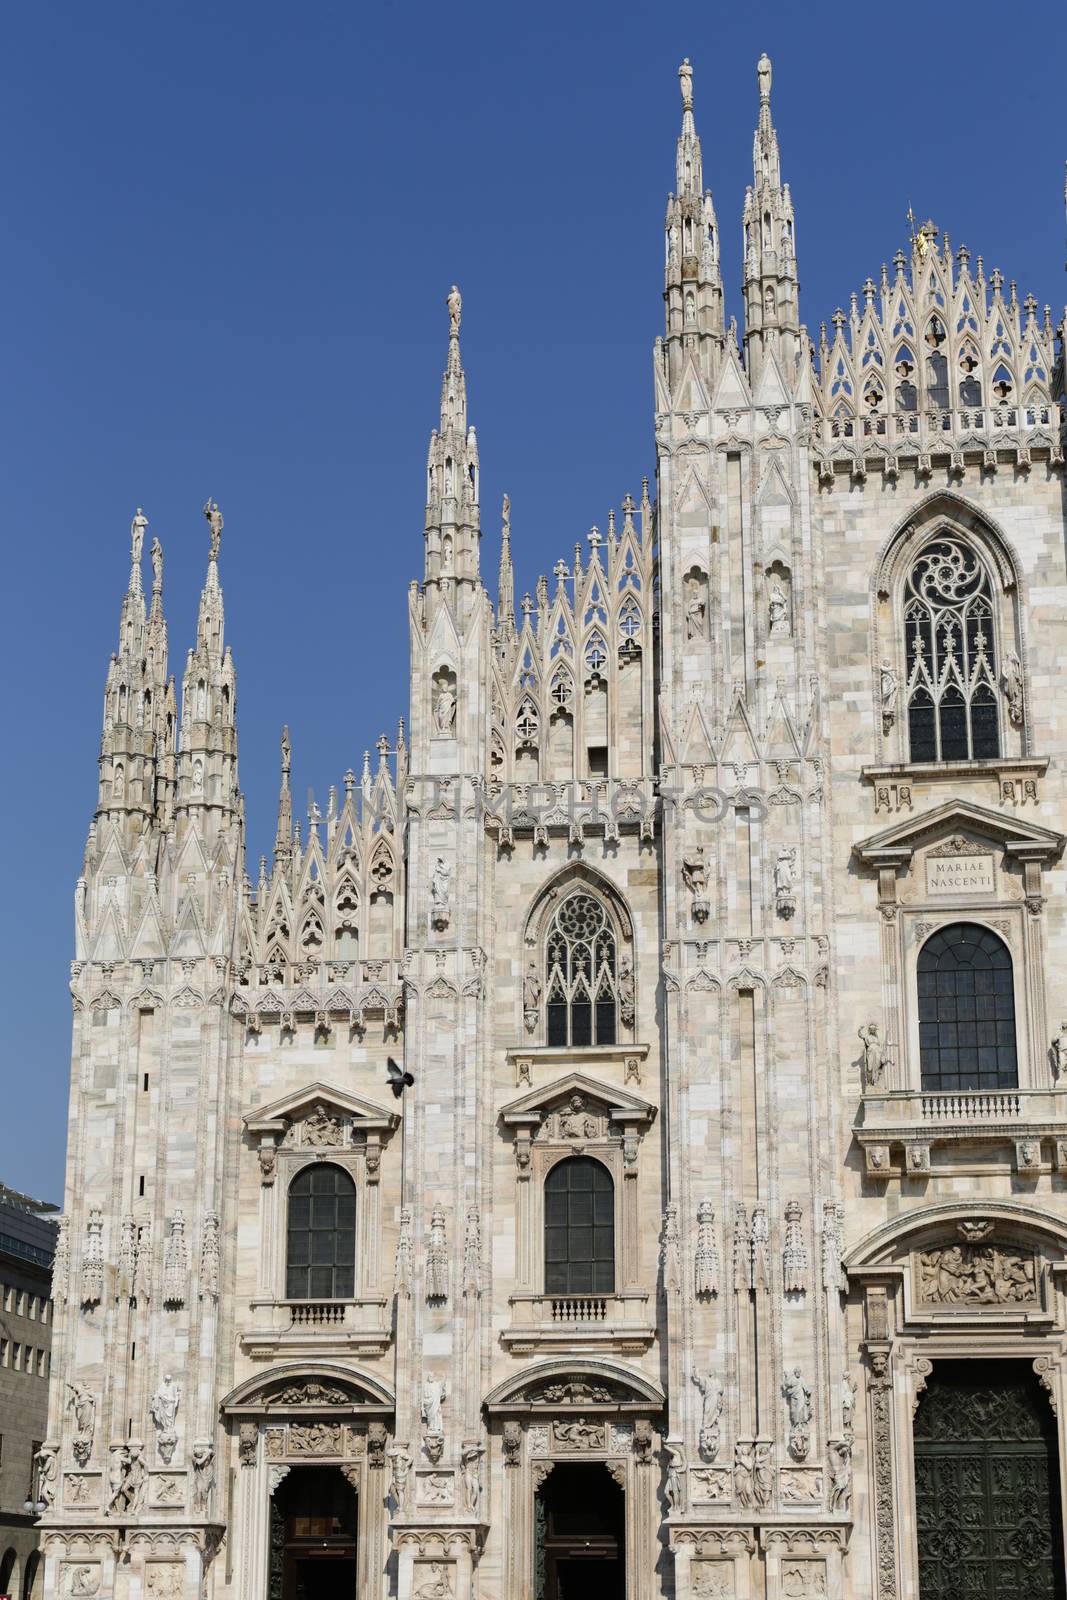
[560,572]
[382,746]
[595,538]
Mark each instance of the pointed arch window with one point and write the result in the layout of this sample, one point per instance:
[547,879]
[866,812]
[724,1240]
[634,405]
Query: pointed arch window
[950,651]
[966,998]
[320,1254]
[581,977]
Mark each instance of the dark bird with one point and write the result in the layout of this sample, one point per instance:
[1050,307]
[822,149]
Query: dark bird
[398,1079]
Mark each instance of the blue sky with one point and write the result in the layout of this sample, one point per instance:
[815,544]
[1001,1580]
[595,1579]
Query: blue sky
[229,235]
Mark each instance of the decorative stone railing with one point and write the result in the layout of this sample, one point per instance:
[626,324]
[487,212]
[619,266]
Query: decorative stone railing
[278,1327]
[899,1130]
[984,429]
[620,1321]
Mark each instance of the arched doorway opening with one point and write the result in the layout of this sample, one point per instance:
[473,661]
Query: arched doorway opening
[32,1578]
[313,1527]
[580,1534]
[9,1572]
[987,1484]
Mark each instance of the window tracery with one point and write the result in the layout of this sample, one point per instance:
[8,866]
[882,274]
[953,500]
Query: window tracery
[950,652]
[581,974]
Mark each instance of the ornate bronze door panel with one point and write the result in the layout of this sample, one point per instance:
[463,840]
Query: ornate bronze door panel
[987,1492]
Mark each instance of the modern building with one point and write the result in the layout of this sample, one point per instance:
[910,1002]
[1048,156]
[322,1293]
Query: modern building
[621,1143]
[27,1245]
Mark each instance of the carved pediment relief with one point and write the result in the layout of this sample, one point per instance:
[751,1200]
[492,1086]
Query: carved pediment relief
[572,1387]
[940,828]
[578,1106]
[319,1115]
[319,1387]
[987,1273]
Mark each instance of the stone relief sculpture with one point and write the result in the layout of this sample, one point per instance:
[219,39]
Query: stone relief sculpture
[320,1131]
[83,1405]
[797,1397]
[127,1257]
[713,1394]
[127,1480]
[163,1409]
[203,1460]
[175,1263]
[744,1462]
[795,1252]
[762,1473]
[92,1274]
[742,1255]
[437,1584]
[982,1274]
[472,1252]
[1012,684]
[671,1251]
[143,1272]
[437,1258]
[440,881]
[80,1579]
[706,1259]
[61,1262]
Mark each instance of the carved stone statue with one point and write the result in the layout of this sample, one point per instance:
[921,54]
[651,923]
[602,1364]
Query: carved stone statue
[887,690]
[777,608]
[685,83]
[400,1485]
[711,1411]
[531,997]
[695,874]
[762,1473]
[440,881]
[1011,681]
[848,1403]
[784,871]
[875,1060]
[215,524]
[434,1394]
[455,309]
[47,1460]
[744,1460]
[798,1404]
[203,1459]
[839,1461]
[471,1478]
[763,76]
[444,711]
[157,565]
[706,1259]
[137,528]
[696,607]
[674,1488]
[1059,1053]
[760,1246]
[437,1258]
[626,989]
[83,1405]
[163,1409]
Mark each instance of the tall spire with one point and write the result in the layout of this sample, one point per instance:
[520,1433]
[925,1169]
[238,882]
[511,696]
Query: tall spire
[453,525]
[505,609]
[134,701]
[772,295]
[207,766]
[692,288]
[283,838]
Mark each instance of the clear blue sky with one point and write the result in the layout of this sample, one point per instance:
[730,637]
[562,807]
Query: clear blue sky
[229,232]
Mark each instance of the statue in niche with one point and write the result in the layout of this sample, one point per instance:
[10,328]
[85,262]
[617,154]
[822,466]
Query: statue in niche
[444,711]
[712,1393]
[674,1488]
[743,1464]
[839,1460]
[400,1484]
[440,881]
[696,605]
[472,1478]
[47,1472]
[203,1474]
[163,1409]
[531,996]
[797,1397]
[875,1059]
[83,1405]
[784,868]
[1011,681]
[434,1394]
[777,607]
[626,989]
[762,1473]
[887,692]
[848,1403]
[1059,1053]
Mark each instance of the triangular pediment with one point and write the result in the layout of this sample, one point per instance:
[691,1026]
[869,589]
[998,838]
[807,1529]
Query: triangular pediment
[605,1095]
[294,1105]
[897,844]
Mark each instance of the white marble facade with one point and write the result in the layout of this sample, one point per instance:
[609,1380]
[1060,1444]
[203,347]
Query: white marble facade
[697,733]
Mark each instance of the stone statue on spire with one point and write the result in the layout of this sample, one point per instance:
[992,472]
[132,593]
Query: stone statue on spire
[214,522]
[137,528]
[157,565]
[763,73]
[455,309]
[286,751]
[685,83]
[506,529]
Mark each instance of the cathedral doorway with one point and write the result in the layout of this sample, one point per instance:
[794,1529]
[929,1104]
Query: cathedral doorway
[987,1485]
[580,1535]
[313,1524]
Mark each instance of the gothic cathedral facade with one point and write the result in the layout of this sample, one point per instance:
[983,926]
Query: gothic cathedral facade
[622,1140]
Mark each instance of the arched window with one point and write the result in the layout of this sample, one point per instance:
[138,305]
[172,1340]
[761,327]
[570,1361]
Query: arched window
[581,976]
[321,1243]
[579,1228]
[966,1011]
[951,655]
